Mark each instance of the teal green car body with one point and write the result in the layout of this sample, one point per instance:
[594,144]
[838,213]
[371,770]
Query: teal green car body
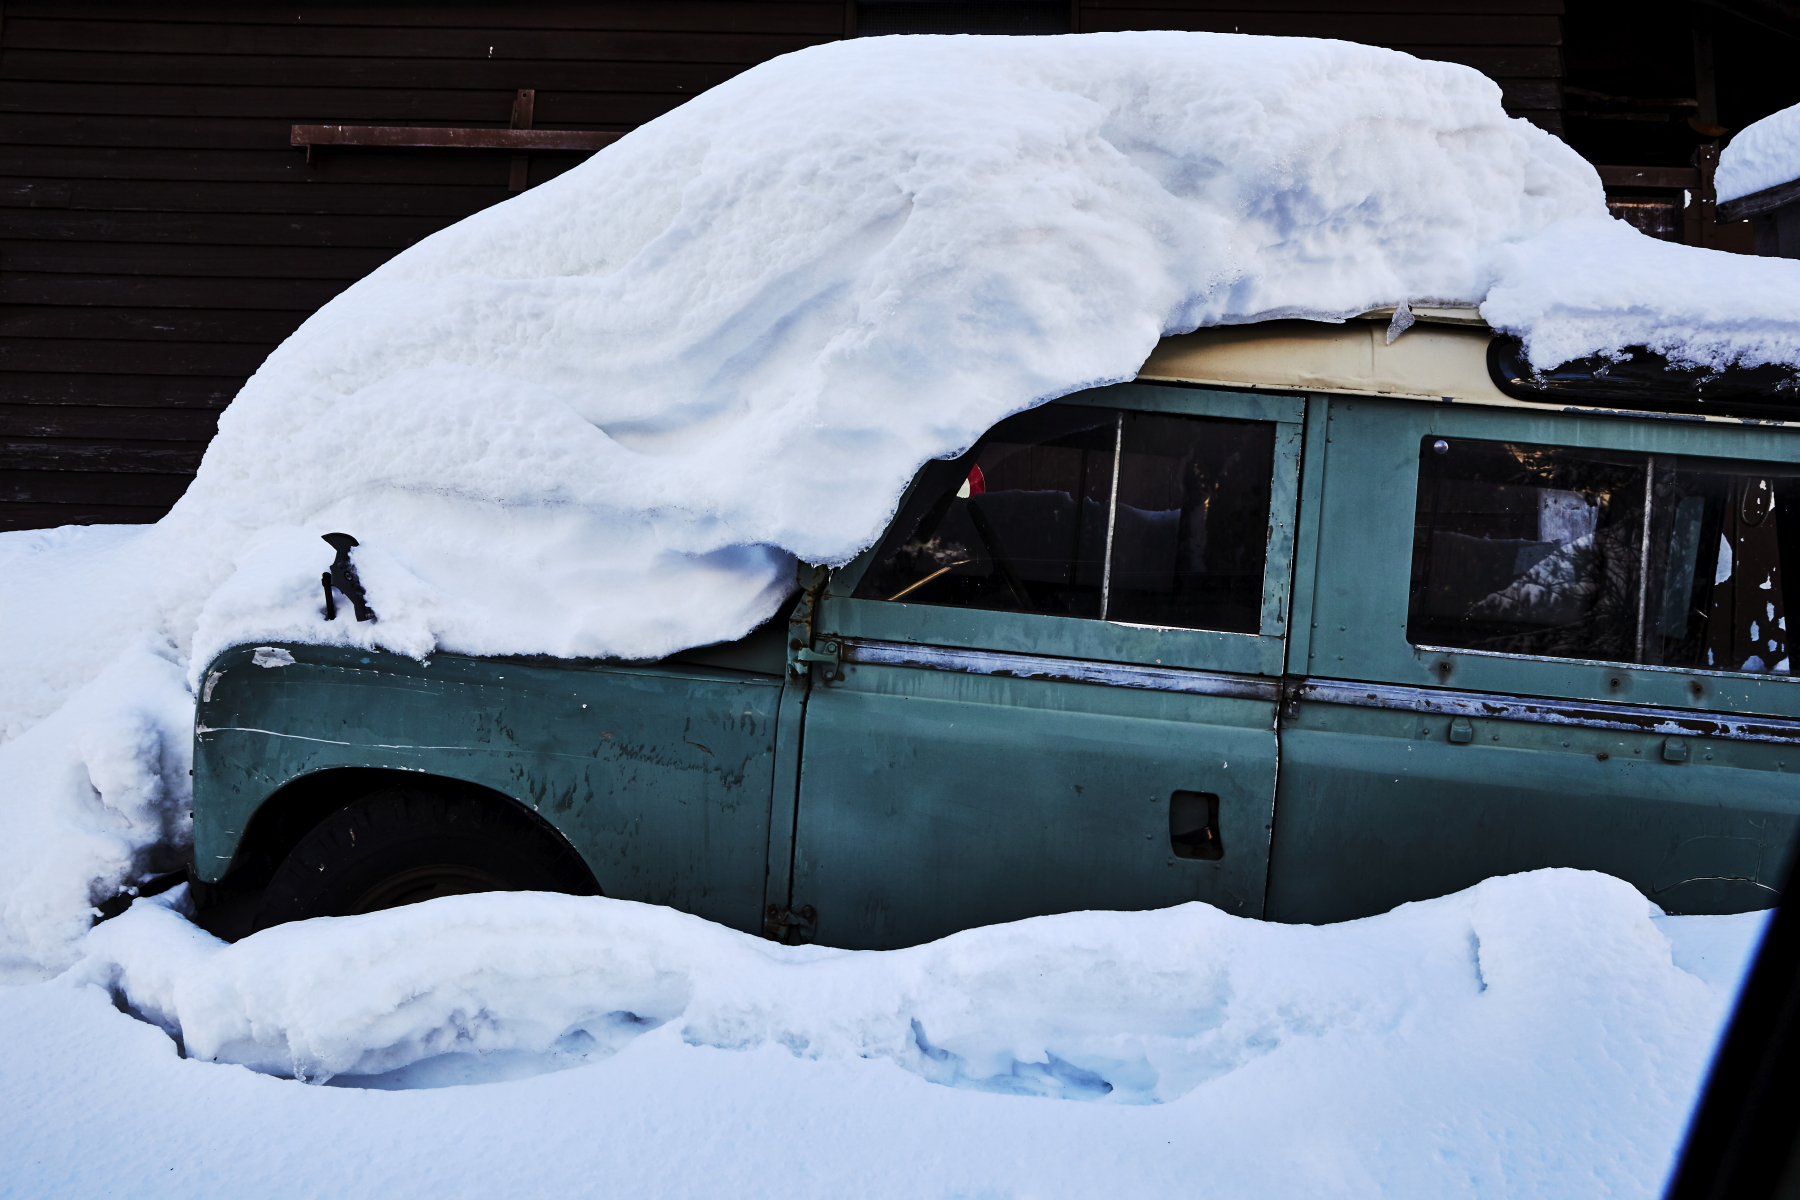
[877,773]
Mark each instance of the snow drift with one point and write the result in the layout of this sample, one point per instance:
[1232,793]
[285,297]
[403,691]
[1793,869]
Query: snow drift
[1121,1007]
[1538,1036]
[1762,155]
[605,417]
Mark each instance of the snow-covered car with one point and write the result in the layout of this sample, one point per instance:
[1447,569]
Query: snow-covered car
[1307,621]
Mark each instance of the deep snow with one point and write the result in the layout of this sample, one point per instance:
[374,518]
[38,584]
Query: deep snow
[605,418]
[1765,154]
[1539,1035]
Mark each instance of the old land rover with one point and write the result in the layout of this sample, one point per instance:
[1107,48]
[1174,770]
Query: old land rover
[1305,622]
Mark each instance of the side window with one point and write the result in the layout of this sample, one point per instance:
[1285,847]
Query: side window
[1146,518]
[1632,558]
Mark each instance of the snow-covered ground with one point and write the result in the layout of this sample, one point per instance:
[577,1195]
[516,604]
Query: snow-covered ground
[1539,1035]
[605,418]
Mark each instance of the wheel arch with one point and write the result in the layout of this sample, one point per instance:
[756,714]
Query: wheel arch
[299,806]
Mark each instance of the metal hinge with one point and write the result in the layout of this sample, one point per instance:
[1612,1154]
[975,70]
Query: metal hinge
[788,926]
[827,653]
[801,654]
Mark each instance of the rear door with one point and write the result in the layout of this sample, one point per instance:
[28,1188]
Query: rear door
[1059,674]
[1542,639]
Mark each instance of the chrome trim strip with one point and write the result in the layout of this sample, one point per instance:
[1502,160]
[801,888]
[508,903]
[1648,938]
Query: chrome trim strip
[1588,714]
[1059,670]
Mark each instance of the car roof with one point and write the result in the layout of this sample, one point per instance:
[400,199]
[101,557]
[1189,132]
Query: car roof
[1442,357]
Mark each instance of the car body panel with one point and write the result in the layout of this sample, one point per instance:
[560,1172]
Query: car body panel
[659,776]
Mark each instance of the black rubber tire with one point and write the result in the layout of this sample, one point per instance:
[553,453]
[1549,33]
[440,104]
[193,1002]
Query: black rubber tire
[402,846]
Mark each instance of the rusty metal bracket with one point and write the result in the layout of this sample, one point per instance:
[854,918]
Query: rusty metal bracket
[519,137]
[523,104]
[800,655]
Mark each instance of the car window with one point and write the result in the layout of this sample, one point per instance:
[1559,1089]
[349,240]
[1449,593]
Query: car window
[1625,557]
[1146,518]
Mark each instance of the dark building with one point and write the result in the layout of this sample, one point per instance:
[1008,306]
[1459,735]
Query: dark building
[162,231]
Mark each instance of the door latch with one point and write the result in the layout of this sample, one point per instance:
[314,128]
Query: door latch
[1461,732]
[827,653]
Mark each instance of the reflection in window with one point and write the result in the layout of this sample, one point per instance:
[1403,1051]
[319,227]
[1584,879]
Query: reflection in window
[1554,551]
[1146,518]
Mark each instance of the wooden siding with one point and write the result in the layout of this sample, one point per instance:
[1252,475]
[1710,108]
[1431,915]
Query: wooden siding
[158,235]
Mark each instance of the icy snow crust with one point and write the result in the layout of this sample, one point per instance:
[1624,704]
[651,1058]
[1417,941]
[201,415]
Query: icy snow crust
[604,418]
[1763,155]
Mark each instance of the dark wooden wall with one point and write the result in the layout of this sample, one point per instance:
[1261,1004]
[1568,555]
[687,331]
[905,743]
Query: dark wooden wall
[159,236]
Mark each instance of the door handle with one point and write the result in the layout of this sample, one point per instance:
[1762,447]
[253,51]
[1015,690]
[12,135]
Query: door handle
[1194,826]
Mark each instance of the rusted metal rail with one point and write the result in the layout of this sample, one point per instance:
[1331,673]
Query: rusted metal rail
[405,136]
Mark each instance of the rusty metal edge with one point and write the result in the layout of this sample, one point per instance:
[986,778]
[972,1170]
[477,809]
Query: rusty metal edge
[1582,713]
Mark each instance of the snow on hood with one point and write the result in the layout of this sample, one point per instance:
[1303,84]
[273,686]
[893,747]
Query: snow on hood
[605,417]
[1763,155]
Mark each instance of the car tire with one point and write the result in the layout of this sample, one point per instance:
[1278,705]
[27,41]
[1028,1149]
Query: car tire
[406,845]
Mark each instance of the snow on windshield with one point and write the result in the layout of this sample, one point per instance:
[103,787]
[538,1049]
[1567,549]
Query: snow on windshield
[1763,155]
[605,417]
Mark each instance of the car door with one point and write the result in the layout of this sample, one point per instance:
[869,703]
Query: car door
[1541,638]
[1058,674]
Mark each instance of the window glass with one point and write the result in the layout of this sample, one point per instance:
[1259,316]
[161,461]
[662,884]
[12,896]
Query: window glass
[1032,520]
[1569,553]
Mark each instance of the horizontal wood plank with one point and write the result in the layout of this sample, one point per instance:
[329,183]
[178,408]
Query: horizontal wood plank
[300,196]
[28,486]
[518,141]
[148,324]
[72,386]
[83,454]
[226,262]
[174,133]
[269,165]
[158,37]
[131,358]
[284,229]
[485,75]
[330,105]
[165,291]
[821,17]
[94,422]
[1530,93]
